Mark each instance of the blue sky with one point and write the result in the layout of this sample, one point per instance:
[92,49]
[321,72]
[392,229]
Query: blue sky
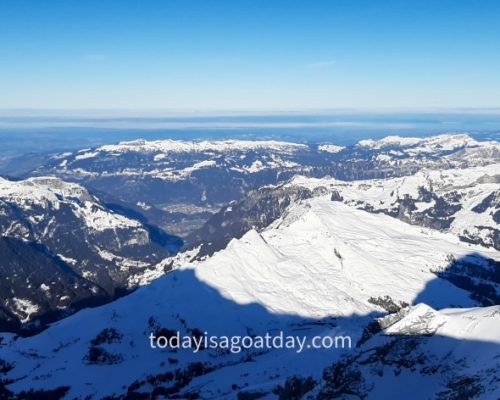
[249,54]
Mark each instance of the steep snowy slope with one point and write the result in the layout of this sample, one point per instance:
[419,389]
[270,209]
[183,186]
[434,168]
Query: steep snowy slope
[463,201]
[61,248]
[328,245]
[323,268]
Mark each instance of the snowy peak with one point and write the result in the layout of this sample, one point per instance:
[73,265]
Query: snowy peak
[358,255]
[47,188]
[48,193]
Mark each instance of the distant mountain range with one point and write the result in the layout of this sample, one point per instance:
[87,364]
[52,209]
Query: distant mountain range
[393,242]
[178,185]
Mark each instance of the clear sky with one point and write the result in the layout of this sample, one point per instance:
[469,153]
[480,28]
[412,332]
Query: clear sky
[249,54]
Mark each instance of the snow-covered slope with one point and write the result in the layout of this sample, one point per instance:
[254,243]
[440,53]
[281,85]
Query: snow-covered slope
[443,151]
[60,247]
[442,145]
[462,201]
[323,268]
[415,145]
[175,160]
[50,193]
[178,146]
[331,148]
[422,354]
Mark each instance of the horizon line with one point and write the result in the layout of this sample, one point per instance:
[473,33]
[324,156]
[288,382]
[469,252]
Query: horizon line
[171,112]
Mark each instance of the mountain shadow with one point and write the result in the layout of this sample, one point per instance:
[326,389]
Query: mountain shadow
[390,351]
[27,265]
[477,275]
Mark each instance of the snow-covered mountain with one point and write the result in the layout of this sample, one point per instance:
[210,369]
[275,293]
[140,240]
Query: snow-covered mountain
[463,201]
[322,268]
[457,150]
[62,249]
